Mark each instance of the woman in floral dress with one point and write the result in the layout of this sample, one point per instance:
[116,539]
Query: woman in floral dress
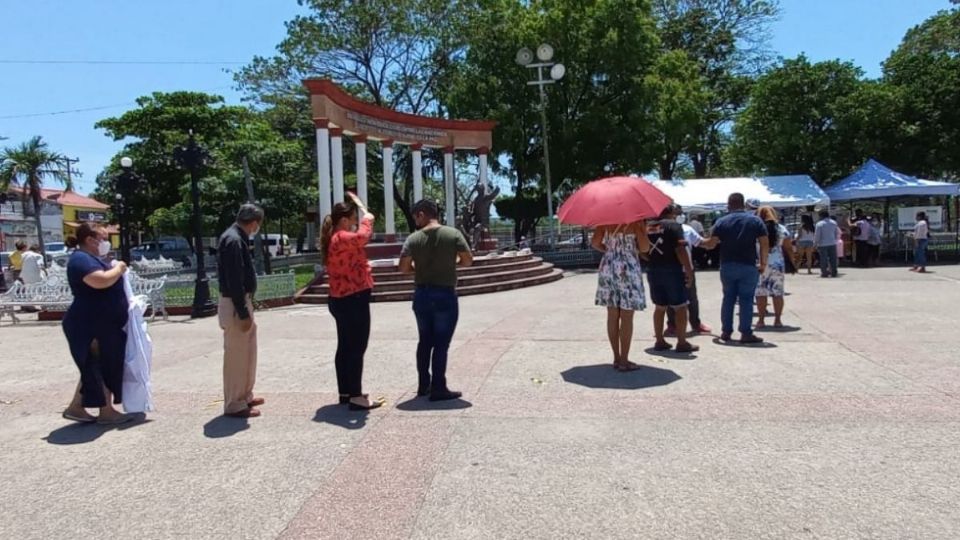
[772,279]
[620,287]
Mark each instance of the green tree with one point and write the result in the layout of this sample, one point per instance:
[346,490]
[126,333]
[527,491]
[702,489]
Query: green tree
[29,165]
[729,40]
[680,101]
[790,124]
[525,211]
[925,69]
[395,54]
[597,114]
[160,123]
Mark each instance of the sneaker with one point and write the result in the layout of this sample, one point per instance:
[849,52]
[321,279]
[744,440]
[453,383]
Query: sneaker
[704,329]
[751,339]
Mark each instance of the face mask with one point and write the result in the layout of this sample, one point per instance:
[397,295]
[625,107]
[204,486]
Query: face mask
[104,248]
[681,219]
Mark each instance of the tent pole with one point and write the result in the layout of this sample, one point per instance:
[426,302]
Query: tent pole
[886,216]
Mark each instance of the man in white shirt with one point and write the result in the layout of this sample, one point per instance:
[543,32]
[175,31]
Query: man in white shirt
[921,236]
[699,254]
[825,237]
[693,240]
[32,266]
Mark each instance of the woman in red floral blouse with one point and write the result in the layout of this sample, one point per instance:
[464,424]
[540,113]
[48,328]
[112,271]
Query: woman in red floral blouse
[342,243]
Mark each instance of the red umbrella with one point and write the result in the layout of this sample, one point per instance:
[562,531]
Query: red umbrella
[613,201]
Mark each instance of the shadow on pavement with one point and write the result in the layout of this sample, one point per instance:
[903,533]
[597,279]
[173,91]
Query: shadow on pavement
[604,376]
[736,343]
[225,426]
[782,330]
[341,416]
[424,404]
[77,433]
[671,354]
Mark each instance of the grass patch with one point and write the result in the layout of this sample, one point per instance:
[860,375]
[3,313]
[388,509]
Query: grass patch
[304,275]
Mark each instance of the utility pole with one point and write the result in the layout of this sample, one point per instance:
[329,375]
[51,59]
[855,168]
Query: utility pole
[258,239]
[70,171]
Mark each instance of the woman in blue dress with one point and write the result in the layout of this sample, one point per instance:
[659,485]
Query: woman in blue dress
[94,326]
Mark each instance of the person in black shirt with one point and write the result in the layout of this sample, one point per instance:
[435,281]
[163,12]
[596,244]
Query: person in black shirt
[238,284]
[669,273]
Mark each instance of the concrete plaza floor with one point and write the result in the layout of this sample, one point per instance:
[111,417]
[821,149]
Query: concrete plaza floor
[845,426]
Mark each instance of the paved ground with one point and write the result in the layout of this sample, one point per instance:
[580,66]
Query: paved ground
[846,426]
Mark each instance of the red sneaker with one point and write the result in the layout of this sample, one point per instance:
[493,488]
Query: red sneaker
[704,329]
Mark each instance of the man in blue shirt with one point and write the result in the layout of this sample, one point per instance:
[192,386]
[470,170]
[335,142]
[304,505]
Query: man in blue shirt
[738,234]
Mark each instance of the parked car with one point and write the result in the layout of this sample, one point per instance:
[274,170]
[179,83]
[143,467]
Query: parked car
[55,248]
[273,243]
[176,249]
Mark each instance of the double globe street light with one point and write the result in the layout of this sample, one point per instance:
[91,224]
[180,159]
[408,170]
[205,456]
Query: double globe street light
[556,72]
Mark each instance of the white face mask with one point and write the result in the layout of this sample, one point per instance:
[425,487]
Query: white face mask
[104,248]
[681,219]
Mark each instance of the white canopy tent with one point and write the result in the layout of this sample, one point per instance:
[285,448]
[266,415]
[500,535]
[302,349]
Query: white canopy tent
[710,194]
[873,180]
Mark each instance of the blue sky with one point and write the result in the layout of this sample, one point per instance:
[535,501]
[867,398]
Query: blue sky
[232,31]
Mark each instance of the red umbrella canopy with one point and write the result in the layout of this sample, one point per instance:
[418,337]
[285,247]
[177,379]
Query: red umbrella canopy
[619,200]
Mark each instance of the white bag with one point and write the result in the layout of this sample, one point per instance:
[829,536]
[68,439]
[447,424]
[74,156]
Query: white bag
[137,393]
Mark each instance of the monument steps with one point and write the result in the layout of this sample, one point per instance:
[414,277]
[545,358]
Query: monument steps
[488,275]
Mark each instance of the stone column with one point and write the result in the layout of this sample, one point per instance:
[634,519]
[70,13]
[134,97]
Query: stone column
[323,166]
[388,188]
[417,172]
[449,183]
[361,142]
[482,152]
[336,159]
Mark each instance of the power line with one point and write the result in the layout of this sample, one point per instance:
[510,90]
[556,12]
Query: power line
[127,62]
[69,111]
[86,109]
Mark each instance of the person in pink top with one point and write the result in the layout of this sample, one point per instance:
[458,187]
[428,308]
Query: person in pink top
[343,240]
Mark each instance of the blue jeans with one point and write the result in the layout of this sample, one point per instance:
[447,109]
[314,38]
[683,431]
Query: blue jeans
[828,260]
[437,310]
[920,253]
[739,284]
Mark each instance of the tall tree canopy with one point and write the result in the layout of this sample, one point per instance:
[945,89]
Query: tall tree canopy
[791,123]
[926,70]
[393,53]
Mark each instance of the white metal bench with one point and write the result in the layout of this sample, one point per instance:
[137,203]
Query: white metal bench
[54,293]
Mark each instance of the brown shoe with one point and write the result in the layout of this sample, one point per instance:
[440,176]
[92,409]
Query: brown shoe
[246,413]
[256,402]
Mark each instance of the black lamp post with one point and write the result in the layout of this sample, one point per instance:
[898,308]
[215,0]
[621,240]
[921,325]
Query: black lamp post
[127,181]
[193,157]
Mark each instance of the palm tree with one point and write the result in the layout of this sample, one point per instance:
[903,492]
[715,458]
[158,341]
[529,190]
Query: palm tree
[28,165]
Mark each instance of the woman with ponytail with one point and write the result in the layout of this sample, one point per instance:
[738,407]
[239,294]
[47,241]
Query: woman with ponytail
[343,239]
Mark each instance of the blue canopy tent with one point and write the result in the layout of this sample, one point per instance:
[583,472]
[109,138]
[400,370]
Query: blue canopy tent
[874,180]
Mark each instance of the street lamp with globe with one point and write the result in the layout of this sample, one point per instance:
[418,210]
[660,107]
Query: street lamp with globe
[127,182]
[556,72]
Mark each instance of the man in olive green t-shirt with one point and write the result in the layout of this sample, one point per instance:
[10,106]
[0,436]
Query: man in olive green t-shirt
[432,254]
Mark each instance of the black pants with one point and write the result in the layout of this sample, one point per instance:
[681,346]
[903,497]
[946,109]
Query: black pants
[352,314]
[693,308]
[863,253]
